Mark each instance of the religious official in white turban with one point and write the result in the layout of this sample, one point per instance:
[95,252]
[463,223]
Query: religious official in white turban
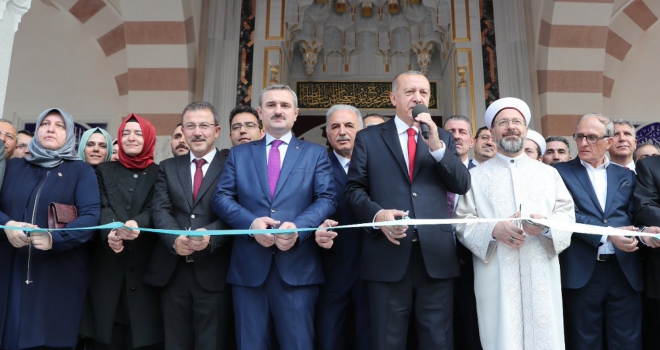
[517,280]
[534,145]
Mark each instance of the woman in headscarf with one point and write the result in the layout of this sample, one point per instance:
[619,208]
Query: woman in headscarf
[123,312]
[45,312]
[93,146]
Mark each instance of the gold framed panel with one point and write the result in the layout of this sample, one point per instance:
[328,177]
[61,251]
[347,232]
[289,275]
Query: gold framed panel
[267,60]
[281,36]
[471,83]
[467,23]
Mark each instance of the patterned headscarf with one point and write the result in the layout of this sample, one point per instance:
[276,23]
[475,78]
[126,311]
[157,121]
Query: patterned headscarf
[146,157]
[51,158]
[85,137]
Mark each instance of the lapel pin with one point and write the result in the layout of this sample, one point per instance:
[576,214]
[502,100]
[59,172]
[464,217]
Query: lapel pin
[297,147]
[59,174]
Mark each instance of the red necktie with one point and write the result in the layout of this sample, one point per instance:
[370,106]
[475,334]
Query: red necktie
[412,149]
[199,176]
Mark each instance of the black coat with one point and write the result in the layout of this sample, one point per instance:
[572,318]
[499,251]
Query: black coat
[116,291]
[173,208]
[647,213]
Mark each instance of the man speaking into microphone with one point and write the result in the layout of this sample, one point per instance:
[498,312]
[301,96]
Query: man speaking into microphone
[395,172]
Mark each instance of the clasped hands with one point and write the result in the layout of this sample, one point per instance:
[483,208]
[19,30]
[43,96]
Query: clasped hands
[41,240]
[283,241]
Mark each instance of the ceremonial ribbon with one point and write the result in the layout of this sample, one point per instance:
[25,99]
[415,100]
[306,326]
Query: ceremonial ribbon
[554,224]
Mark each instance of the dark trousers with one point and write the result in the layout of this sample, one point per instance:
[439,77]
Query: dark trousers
[194,317]
[332,311]
[122,339]
[290,309]
[466,325]
[391,303]
[606,310]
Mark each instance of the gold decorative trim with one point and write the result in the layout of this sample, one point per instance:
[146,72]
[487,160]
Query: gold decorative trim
[454,93]
[281,36]
[470,70]
[266,60]
[467,23]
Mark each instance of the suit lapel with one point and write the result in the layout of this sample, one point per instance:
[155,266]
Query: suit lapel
[183,168]
[211,177]
[422,150]
[612,185]
[338,170]
[292,153]
[583,177]
[391,139]
[260,162]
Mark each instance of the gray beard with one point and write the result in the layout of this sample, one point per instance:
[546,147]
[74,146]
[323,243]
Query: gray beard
[512,146]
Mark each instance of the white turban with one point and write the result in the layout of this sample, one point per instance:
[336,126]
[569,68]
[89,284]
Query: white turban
[538,139]
[505,103]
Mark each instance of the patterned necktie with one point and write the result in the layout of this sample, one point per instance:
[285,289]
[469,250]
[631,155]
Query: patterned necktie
[199,176]
[348,164]
[451,203]
[412,149]
[274,166]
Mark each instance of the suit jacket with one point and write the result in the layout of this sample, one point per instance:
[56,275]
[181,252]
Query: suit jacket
[471,164]
[304,195]
[341,262]
[579,259]
[378,179]
[647,213]
[123,197]
[173,208]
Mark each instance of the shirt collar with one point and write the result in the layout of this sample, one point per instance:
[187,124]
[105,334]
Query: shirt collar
[342,160]
[602,166]
[207,157]
[402,127]
[286,138]
[509,159]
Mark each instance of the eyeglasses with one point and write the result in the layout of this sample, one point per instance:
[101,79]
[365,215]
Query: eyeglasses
[247,125]
[21,145]
[505,122]
[8,135]
[190,127]
[591,139]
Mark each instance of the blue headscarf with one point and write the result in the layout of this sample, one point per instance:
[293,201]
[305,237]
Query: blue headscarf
[85,137]
[49,158]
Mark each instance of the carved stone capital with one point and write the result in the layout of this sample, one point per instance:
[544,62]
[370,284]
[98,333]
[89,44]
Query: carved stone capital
[310,51]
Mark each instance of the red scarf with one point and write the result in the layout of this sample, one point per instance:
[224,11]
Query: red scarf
[146,157]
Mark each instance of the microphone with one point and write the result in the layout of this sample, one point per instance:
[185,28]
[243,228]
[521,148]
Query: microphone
[420,108]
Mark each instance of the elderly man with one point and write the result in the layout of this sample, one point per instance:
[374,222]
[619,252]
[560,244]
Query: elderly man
[341,256]
[534,145]
[178,143]
[244,125]
[396,172]
[646,149]
[23,138]
[602,281]
[623,147]
[8,135]
[557,150]
[515,263]
[484,148]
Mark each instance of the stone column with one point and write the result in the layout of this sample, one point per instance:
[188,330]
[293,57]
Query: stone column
[11,12]
[222,61]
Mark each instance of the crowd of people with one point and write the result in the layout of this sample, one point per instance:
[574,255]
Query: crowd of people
[158,280]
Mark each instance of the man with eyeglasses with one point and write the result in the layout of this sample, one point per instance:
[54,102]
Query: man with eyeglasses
[8,135]
[244,125]
[23,138]
[484,147]
[516,267]
[601,275]
[191,269]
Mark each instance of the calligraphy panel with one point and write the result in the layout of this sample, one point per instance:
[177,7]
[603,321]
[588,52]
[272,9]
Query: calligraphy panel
[374,95]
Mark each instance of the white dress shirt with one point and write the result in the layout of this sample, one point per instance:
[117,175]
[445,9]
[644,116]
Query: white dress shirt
[193,168]
[598,178]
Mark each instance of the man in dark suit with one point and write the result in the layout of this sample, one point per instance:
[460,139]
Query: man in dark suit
[192,269]
[647,216]
[395,170]
[341,256]
[601,275]
[484,147]
[281,182]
